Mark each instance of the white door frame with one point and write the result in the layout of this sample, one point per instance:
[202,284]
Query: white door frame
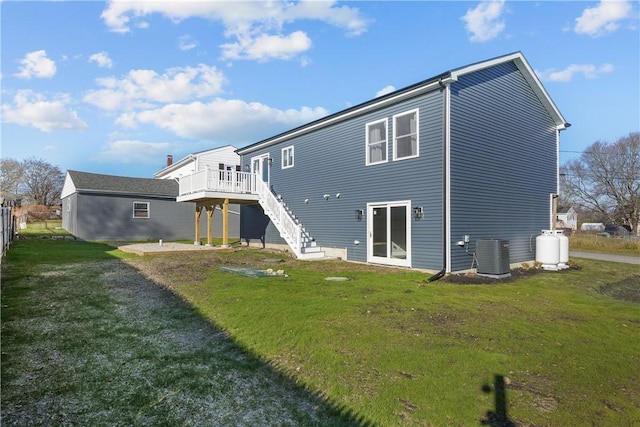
[260,166]
[389,259]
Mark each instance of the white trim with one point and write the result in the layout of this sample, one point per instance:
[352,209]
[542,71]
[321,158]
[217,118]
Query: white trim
[368,161]
[264,163]
[447,177]
[528,73]
[557,161]
[408,220]
[284,156]
[133,213]
[415,111]
[348,114]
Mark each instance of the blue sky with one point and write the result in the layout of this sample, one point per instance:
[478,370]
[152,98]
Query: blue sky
[114,87]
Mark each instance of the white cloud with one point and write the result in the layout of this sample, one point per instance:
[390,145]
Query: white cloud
[483,22]
[36,64]
[31,109]
[603,18]
[230,121]
[255,27]
[102,59]
[146,88]
[566,75]
[133,151]
[265,47]
[385,90]
[185,42]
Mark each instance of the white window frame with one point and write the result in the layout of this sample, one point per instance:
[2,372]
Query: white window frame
[389,260]
[396,136]
[285,157]
[386,142]
[148,210]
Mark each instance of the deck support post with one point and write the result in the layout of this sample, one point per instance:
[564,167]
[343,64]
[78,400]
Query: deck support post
[211,209]
[197,223]
[225,223]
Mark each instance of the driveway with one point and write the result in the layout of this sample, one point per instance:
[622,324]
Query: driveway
[606,257]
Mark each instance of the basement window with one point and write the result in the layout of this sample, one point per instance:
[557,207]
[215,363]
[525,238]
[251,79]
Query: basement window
[141,209]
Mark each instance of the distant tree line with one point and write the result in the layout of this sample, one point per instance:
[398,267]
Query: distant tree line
[603,184]
[34,181]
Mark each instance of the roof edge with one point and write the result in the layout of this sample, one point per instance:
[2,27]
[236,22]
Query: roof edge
[529,74]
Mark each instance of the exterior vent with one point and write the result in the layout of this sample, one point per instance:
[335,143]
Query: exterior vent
[493,257]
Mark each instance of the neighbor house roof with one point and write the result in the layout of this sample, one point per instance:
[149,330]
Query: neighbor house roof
[84,182]
[421,87]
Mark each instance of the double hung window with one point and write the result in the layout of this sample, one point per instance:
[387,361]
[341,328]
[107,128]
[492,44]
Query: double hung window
[141,209]
[405,135]
[376,142]
[287,157]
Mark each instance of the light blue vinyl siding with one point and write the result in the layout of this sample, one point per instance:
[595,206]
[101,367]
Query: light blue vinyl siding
[332,160]
[503,162]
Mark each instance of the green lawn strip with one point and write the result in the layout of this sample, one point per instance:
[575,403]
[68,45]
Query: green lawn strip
[44,229]
[398,350]
[90,342]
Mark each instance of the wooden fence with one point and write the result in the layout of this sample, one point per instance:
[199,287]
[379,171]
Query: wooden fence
[9,228]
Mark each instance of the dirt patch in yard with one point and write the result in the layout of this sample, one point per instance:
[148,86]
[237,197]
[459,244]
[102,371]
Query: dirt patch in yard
[516,274]
[626,290]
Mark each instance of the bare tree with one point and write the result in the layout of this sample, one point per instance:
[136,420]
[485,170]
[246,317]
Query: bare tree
[606,180]
[42,181]
[11,178]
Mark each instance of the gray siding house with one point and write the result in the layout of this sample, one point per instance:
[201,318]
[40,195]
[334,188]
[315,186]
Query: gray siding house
[468,155]
[107,207]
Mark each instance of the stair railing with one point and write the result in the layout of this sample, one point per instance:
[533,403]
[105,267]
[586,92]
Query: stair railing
[289,229]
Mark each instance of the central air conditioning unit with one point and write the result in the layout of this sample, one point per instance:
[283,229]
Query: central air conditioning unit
[492,256]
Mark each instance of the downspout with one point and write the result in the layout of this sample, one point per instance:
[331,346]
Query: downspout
[445,141]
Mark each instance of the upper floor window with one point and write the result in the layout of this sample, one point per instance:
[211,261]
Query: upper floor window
[405,135]
[376,142]
[141,209]
[287,157]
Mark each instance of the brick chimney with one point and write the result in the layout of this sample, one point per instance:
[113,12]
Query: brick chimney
[169,160]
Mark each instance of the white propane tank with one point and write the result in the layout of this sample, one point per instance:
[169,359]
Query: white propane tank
[564,249]
[548,250]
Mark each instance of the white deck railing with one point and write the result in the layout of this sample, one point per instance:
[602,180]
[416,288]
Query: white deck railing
[217,181]
[289,229]
[232,182]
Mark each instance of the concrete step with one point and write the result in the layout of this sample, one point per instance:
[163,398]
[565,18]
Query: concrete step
[312,255]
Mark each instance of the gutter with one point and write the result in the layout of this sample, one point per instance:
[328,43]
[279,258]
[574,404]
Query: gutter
[445,183]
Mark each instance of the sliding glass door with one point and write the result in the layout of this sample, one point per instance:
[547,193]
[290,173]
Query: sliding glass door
[389,233]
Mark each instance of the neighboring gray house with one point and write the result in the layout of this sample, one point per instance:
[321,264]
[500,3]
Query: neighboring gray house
[107,207]
[413,178]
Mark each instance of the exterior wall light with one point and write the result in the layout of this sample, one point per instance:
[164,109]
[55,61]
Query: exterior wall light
[359,214]
[418,213]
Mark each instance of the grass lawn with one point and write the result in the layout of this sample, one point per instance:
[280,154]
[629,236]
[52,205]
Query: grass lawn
[614,245]
[396,350]
[88,341]
[90,336]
